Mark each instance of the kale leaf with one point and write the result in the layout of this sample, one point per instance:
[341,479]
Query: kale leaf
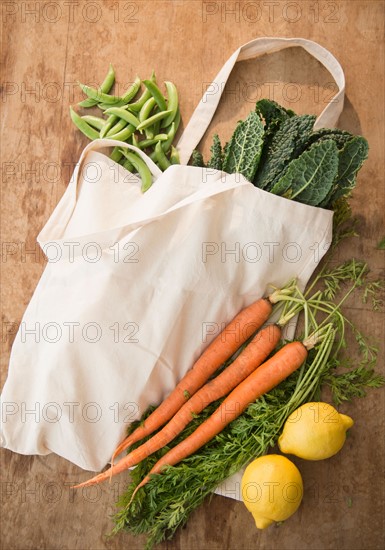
[284,147]
[216,160]
[309,178]
[245,147]
[350,159]
[197,159]
[272,112]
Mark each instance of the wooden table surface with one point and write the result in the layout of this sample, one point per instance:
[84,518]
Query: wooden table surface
[46,48]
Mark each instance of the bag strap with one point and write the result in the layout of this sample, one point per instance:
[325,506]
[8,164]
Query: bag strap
[205,110]
[59,218]
[99,144]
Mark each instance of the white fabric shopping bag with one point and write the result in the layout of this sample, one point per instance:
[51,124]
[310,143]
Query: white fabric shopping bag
[137,285]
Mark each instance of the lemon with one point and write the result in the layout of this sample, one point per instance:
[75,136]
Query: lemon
[314,431]
[272,489]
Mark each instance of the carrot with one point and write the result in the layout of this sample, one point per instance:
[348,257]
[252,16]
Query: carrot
[266,377]
[251,357]
[221,348]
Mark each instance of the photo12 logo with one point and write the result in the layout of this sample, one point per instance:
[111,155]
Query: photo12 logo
[254,252]
[71,11]
[270,12]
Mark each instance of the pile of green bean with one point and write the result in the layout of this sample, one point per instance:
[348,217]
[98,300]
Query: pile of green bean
[149,122]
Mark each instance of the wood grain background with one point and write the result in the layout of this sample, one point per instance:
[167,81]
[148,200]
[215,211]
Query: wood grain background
[46,48]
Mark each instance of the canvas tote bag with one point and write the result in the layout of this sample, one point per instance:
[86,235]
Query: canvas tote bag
[137,285]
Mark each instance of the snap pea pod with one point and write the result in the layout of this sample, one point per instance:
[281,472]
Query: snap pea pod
[156,94]
[170,137]
[150,121]
[126,164]
[161,158]
[116,154]
[105,87]
[148,142]
[124,100]
[106,99]
[83,126]
[156,127]
[176,121]
[145,111]
[137,105]
[109,123]
[149,133]
[117,127]
[94,121]
[174,156]
[172,103]
[171,133]
[104,106]
[134,140]
[132,91]
[98,96]
[124,134]
[123,114]
[142,169]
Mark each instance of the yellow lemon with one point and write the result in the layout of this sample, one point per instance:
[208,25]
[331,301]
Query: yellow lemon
[272,489]
[314,431]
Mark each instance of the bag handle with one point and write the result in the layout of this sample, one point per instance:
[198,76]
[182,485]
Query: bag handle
[98,144]
[206,108]
[59,218]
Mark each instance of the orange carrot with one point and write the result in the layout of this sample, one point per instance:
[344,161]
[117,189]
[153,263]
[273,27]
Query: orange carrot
[266,377]
[221,348]
[251,357]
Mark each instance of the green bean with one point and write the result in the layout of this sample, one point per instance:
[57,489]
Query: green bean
[145,111]
[150,121]
[123,114]
[124,134]
[117,127]
[156,94]
[83,126]
[111,120]
[105,87]
[161,158]
[172,103]
[148,142]
[142,169]
[116,154]
[98,96]
[94,121]
[174,156]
